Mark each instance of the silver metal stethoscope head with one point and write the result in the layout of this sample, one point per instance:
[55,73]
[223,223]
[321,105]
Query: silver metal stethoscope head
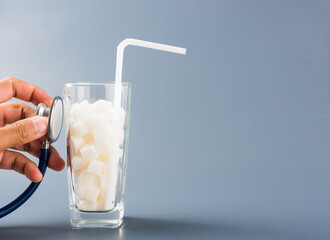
[55,118]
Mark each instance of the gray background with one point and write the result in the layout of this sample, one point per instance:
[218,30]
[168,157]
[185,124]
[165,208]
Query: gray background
[230,141]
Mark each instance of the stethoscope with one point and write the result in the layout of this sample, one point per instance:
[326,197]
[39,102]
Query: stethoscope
[55,122]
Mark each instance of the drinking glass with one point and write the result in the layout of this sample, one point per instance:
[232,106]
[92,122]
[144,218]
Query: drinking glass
[97,144]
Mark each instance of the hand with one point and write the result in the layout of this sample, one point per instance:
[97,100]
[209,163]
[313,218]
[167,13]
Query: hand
[21,130]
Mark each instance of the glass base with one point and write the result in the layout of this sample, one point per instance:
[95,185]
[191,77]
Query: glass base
[109,219]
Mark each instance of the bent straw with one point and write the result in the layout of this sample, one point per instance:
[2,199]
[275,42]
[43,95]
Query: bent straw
[119,66]
[118,87]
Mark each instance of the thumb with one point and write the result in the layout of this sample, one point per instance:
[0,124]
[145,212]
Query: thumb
[22,132]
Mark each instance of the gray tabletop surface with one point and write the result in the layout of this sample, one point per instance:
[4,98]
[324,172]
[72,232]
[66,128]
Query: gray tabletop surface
[230,141]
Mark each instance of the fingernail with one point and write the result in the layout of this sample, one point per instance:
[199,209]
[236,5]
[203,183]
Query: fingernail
[40,125]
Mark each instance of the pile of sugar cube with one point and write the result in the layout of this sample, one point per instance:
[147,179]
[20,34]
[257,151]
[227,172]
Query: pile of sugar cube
[94,166]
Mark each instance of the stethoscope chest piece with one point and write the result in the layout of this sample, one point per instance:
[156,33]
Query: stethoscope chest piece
[55,115]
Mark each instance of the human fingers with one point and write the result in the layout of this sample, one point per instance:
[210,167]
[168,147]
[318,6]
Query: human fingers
[21,164]
[12,112]
[55,161]
[22,132]
[11,87]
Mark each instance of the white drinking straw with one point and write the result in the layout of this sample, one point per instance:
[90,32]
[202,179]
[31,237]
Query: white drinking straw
[119,69]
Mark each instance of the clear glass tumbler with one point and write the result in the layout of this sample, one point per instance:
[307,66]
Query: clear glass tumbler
[96,153]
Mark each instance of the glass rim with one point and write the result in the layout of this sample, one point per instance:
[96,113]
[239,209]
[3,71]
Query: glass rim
[74,84]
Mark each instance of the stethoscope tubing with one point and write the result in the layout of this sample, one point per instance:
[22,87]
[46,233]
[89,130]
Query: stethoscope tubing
[49,138]
[21,199]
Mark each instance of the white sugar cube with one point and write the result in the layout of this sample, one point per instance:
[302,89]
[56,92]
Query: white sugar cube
[106,168]
[100,196]
[96,182]
[85,205]
[77,143]
[73,106]
[72,110]
[100,205]
[109,115]
[113,159]
[121,136]
[100,106]
[71,122]
[113,174]
[102,181]
[88,138]
[77,173]
[80,190]
[88,152]
[82,111]
[97,120]
[102,132]
[103,147]
[91,193]
[104,157]
[108,205]
[110,193]
[80,128]
[85,104]
[122,116]
[78,162]
[77,113]
[66,102]
[86,178]
[120,152]
[95,167]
